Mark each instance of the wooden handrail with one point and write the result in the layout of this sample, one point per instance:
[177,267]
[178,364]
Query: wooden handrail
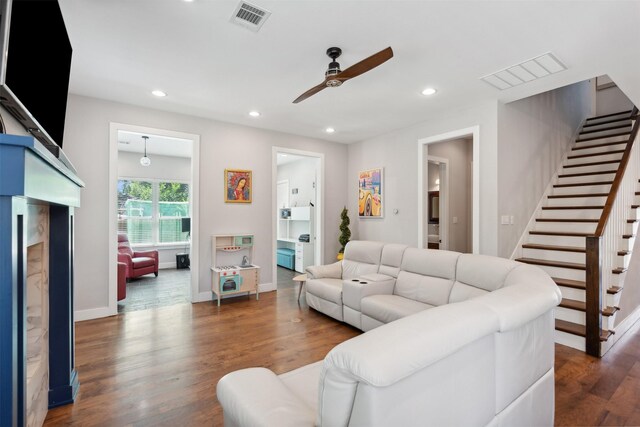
[593,278]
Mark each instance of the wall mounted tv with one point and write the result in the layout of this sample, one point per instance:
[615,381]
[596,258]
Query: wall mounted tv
[35,67]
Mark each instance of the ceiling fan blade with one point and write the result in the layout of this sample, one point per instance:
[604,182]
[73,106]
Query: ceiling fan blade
[310,92]
[366,64]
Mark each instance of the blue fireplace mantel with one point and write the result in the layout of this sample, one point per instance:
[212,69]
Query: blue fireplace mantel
[30,174]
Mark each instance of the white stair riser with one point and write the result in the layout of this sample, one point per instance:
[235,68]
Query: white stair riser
[570,315]
[556,240]
[587,178]
[577,201]
[573,227]
[608,322]
[571,213]
[632,228]
[601,158]
[616,279]
[594,126]
[593,168]
[623,260]
[564,273]
[600,132]
[572,293]
[570,340]
[596,149]
[635,214]
[604,188]
[614,300]
[549,255]
[626,244]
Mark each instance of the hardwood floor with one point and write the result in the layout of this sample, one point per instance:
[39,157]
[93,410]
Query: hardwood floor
[160,367]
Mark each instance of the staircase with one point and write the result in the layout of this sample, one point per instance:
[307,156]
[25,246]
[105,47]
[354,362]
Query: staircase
[583,233]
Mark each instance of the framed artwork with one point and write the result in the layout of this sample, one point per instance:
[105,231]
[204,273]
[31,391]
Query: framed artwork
[237,186]
[371,193]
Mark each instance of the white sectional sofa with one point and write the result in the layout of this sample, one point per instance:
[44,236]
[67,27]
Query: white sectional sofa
[453,339]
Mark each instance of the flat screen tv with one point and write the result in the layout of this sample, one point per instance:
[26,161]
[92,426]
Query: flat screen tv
[35,67]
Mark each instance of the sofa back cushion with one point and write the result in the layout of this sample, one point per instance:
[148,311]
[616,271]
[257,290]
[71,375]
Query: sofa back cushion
[361,257]
[391,259]
[478,274]
[427,275]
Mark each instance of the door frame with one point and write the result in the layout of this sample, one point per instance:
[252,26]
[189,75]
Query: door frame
[318,250]
[114,128]
[474,132]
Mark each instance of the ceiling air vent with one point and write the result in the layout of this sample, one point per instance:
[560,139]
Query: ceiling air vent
[250,16]
[532,69]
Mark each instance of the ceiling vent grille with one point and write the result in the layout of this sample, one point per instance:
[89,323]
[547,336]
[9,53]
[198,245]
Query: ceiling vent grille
[250,16]
[532,69]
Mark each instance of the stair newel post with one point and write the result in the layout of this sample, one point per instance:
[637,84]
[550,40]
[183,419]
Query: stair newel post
[593,295]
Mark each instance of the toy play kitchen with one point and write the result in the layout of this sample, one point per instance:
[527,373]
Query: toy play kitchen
[232,272]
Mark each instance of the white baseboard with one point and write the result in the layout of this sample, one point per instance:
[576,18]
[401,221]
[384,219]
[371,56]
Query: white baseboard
[92,313]
[208,295]
[167,265]
[267,287]
[622,328]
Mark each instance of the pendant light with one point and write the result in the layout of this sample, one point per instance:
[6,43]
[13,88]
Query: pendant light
[144,160]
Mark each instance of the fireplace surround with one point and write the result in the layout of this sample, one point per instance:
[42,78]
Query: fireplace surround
[38,194]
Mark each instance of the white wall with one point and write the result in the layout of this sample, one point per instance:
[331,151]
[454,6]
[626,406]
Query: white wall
[222,145]
[459,152]
[611,100]
[167,168]
[397,152]
[533,136]
[301,174]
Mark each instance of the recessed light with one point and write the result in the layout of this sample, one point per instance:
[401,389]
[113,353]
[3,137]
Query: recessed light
[429,91]
[188,1]
[159,93]
[254,113]
[330,130]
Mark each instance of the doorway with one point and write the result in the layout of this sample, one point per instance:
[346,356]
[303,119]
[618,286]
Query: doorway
[448,185]
[154,194]
[297,213]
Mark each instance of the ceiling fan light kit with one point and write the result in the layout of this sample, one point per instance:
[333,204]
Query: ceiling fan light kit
[334,76]
[145,160]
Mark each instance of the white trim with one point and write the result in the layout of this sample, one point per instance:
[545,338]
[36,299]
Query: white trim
[622,328]
[474,131]
[194,188]
[92,313]
[444,201]
[319,208]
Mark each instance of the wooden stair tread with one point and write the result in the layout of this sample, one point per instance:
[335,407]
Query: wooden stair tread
[599,153]
[579,165]
[578,284]
[635,206]
[569,196]
[632,221]
[604,116]
[584,132]
[570,207]
[582,184]
[613,135]
[580,330]
[548,263]
[623,253]
[606,122]
[559,233]
[619,270]
[603,144]
[582,306]
[554,247]
[572,175]
[627,236]
[578,220]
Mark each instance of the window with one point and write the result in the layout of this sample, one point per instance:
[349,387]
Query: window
[151,212]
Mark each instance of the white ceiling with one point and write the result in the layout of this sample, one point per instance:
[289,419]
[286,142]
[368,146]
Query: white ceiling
[286,158]
[132,142]
[212,68]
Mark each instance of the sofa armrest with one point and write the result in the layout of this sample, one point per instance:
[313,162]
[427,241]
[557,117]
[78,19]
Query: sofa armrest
[330,271]
[149,254]
[257,397]
[353,291]
[125,258]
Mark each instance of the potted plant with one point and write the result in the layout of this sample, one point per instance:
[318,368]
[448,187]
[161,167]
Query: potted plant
[345,233]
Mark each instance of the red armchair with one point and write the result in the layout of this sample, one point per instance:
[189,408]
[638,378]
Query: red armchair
[122,281]
[138,263]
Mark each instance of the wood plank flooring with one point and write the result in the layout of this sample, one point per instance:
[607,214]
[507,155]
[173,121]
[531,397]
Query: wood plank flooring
[160,367]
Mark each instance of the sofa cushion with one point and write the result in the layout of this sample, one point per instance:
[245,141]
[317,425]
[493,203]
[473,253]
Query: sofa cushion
[387,308]
[303,382]
[328,289]
[361,257]
[391,259]
[478,274]
[141,262]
